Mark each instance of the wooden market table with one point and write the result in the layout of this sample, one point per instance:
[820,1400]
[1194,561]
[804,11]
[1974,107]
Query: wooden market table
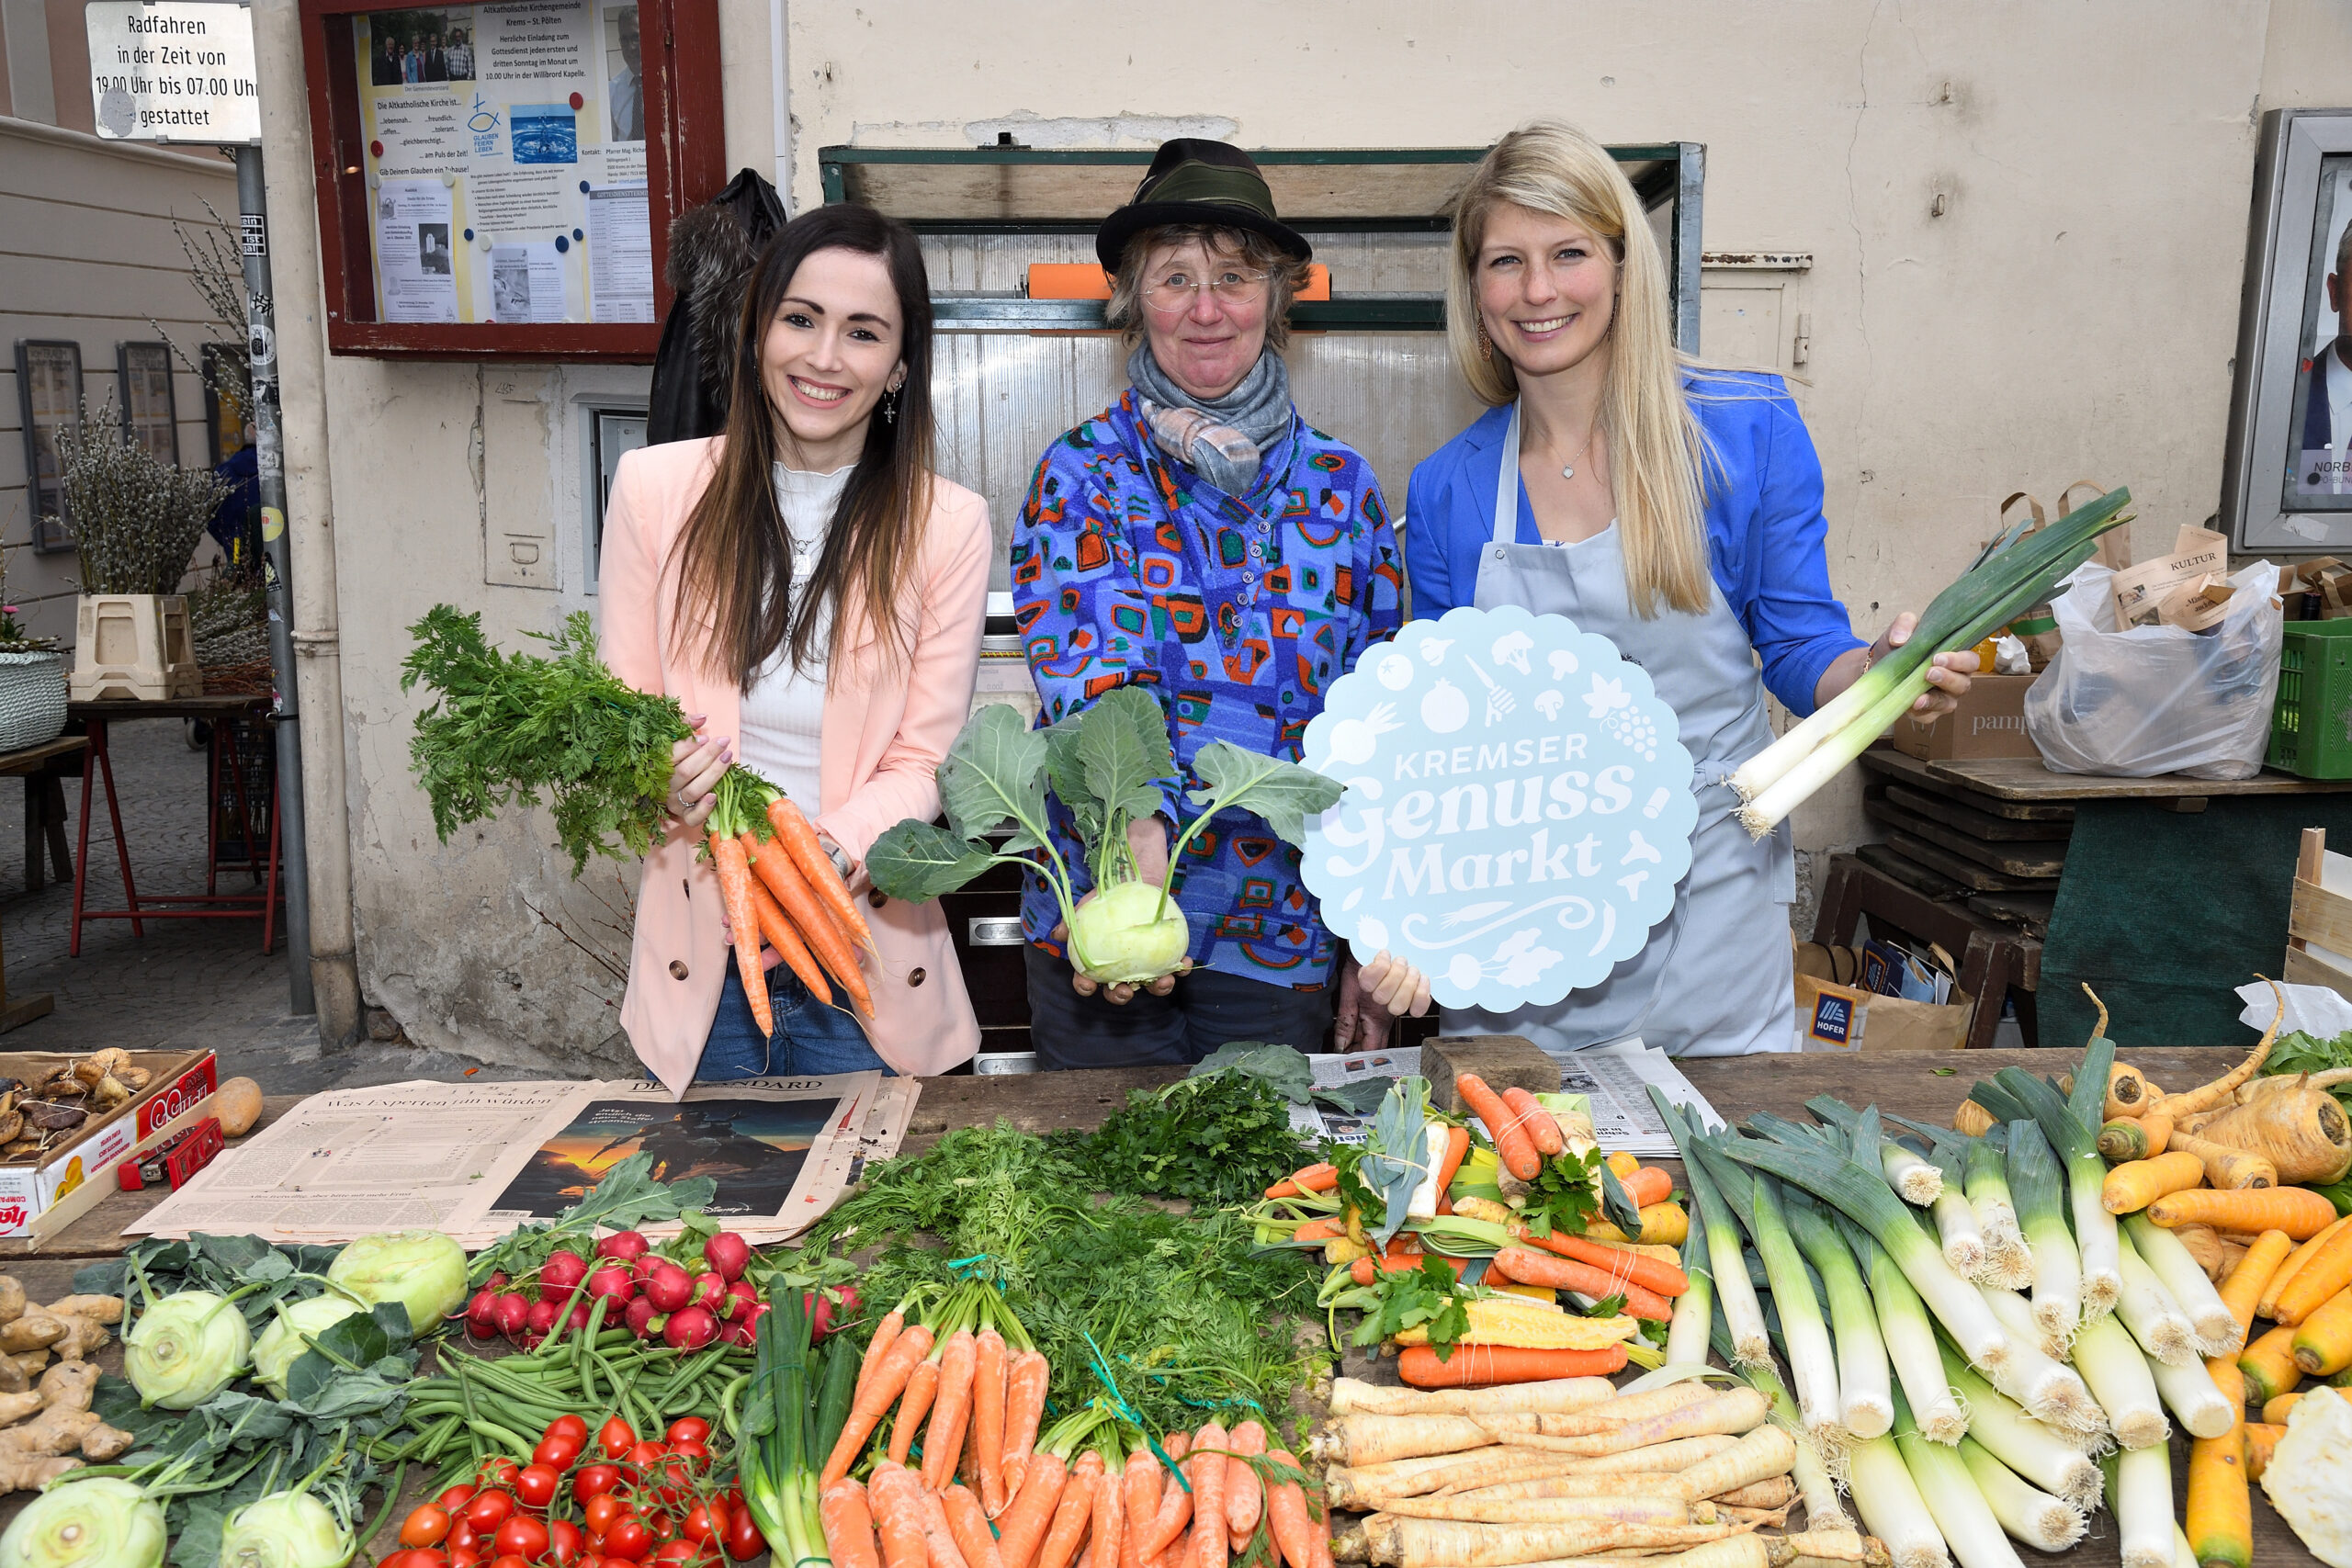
[221,711]
[1908,1084]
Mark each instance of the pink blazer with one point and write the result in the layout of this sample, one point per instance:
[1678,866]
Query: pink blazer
[886,732]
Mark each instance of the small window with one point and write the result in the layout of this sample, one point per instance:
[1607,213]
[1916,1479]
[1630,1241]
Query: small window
[49,397]
[611,433]
[143,372]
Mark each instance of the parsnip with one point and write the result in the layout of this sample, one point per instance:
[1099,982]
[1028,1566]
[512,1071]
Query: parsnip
[1560,1395]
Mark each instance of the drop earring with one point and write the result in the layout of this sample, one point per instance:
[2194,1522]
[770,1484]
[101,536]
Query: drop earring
[891,406]
[1485,344]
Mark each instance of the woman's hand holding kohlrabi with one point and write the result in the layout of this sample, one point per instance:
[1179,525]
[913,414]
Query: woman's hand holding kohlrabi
[1147,842]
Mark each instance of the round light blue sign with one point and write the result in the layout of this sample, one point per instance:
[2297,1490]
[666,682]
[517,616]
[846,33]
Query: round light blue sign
[1517,810]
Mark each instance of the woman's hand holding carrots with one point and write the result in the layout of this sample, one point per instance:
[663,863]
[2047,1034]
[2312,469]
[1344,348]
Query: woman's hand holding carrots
[696,767]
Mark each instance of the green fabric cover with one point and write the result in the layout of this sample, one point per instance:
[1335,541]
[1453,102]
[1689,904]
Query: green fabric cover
[2164,914]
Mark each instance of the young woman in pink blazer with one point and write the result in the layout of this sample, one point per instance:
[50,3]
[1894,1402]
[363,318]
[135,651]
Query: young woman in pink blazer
[814,594]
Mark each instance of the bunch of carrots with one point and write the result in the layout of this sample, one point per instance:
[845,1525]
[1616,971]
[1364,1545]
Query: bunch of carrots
[780,887]
[966,1480]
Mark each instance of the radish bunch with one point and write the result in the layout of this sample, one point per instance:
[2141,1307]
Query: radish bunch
[652,1294]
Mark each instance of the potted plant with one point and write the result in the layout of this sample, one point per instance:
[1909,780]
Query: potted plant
[136,522]
[32,680]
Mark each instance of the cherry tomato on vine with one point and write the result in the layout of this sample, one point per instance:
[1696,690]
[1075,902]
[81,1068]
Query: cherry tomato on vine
[688,1428]
[522,1536]
[744,1540]
[499,1472]
[565,1542]
[488,1511]
[643,1455]
[672,1479]
[569,1427]
[418,1557]
[684,1551]
[465,1557]
[462,1537]
[615,1437]
[424,1527]
[694,1448]
[508,1560]
[557,1452]
[704,1523]
[536,1486]
[604,1508]
[456,1497]
[595,1481]
[628,1538]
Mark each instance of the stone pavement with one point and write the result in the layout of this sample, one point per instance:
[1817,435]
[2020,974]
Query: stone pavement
[184,983]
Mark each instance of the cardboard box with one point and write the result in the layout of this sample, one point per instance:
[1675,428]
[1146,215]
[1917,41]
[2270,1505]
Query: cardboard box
[41,1198]
[1990,722]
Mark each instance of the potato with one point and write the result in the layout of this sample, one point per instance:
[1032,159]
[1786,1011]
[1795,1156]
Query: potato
[237,1106]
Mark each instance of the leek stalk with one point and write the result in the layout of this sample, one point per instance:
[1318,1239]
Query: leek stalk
[2014,572]
[1910,1340]
[1889,1501]
[2034,1182]
[1862,1193]
[1811,1472]
[1986,1175]
[2148,1310]
[2119,1375]
[1686,1336]
[2041,1453]
[1865,1405]
[2209,1318]
[1743,1315]
[2143,1503]
[2072,1127]
[2033,1378]
[2191,1393]
[1812,1363]
[1963,1516]
[2027,1512]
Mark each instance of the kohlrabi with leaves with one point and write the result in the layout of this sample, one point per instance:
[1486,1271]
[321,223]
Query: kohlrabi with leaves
[1106,765]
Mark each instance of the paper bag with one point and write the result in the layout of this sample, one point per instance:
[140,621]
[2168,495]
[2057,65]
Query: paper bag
[2114,547]
[2141,590]
[2197,606]
[2299,587]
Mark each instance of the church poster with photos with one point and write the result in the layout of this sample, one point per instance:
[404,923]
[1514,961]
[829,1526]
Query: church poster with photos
[504,152]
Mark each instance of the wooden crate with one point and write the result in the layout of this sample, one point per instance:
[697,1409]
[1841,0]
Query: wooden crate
[2319,920]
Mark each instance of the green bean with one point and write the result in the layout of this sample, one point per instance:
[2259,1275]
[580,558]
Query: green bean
[515,1441]
[392,1495]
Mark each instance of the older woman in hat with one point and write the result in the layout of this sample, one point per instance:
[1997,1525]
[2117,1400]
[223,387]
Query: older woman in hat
[1198,540]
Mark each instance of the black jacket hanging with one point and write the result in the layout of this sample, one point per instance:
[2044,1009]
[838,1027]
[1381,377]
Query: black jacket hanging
[712,251]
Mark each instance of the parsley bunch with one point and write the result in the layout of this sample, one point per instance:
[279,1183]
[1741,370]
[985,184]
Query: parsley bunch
[1219,1139]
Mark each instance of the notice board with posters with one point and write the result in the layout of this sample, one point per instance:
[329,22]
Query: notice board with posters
[502,175]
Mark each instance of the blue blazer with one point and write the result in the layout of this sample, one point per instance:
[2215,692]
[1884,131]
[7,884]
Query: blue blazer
[1765,528]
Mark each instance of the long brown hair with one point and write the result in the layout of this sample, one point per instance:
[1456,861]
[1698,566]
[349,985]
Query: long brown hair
[734,594]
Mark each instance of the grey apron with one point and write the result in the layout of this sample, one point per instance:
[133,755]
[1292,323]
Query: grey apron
[1716,978]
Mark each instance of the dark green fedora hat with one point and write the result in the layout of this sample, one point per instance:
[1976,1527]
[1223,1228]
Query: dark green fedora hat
[1196,181]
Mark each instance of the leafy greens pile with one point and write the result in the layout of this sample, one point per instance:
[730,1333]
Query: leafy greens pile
[1106,765]
[1216,1140]
[238,1446]
[1187,1316]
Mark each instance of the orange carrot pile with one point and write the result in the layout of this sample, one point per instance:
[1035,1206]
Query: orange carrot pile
[779,887]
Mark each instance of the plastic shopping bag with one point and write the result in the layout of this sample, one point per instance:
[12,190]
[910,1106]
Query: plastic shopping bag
[2159,699]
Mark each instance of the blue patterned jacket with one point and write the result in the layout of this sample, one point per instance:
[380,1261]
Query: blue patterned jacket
[1236,613]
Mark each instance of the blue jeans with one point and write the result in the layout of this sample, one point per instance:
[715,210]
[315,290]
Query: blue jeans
[812,1040]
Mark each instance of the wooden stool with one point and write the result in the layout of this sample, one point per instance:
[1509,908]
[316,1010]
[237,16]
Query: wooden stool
[1993,959]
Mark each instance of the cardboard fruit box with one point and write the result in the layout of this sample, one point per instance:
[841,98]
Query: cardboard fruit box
[40,1196]
[1989,722]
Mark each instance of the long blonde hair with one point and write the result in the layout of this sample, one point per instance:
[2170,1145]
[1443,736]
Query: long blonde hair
[1657,452]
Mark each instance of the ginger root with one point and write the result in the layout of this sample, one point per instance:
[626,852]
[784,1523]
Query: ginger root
[12,1299]
[15,1407]
[103,1442]
[34,1331]
[31,1362]
[70,1386]
[59,1429]
[98,1309]
[84,1338]
[32,1475]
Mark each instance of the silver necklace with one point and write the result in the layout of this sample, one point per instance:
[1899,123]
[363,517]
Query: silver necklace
[1568,469]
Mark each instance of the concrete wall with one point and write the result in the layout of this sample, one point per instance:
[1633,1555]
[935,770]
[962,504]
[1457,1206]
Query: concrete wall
[87,255]
[2027,224]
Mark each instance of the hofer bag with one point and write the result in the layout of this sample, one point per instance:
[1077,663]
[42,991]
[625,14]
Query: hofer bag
[2159,699]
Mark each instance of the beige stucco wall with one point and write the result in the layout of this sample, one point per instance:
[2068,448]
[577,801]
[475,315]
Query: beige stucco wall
[2070,312]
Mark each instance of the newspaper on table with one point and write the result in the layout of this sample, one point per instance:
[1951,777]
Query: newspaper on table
[1612,1077]
[474,1161]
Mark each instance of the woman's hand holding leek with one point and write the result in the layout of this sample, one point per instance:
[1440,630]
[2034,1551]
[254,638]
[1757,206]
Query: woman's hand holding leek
[1948,673]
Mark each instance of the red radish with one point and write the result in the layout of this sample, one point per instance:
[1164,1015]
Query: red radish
[639,1318]
[727,1254]
[709,1291]
[626,1246]
[822,1317]
[542,1316]
[740,1295]
[690,1328]
[845,1303]
[669,1288]
[577,1319]
[513,1314]
[482,1313]
[560,1275]
[531,1341]
[614,1284]
[736,1331]
[497,1280]
[643,1266]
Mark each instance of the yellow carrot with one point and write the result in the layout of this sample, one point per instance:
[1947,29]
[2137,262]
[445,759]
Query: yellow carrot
[2261,1438]
[2323,1342]
[2285,1276]
[2243,1292]
[2275,1411]
[2296,1211]
[2269,1365]
[2329,1271]
[2220,1513]
[2133,1187]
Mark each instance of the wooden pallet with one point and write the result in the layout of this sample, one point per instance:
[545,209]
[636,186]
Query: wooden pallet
[1971,874]
[1888,763]
[1952,812]
[2031,862]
